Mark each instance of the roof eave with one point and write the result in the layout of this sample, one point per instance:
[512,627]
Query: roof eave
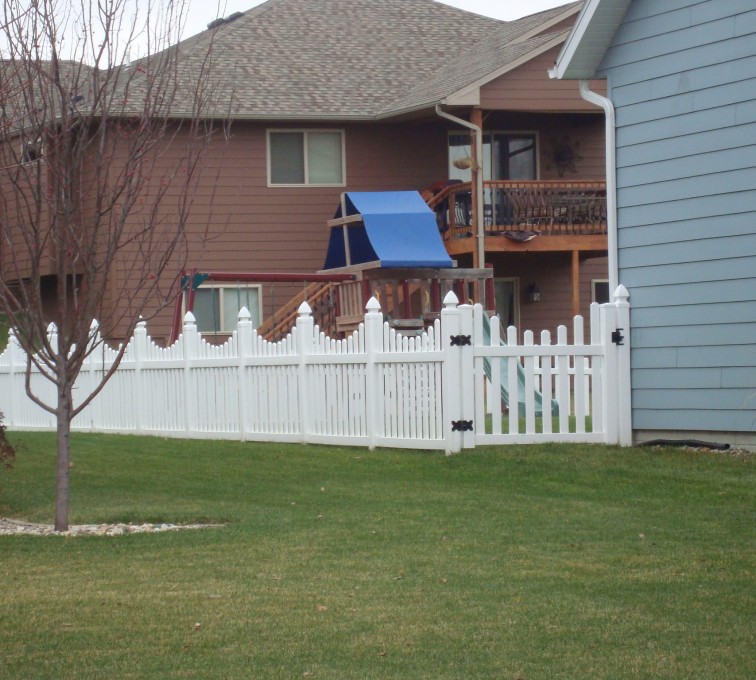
[544,27]
[589,39]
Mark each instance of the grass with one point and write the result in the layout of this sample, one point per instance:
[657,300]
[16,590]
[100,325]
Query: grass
[522,424]
[516,562]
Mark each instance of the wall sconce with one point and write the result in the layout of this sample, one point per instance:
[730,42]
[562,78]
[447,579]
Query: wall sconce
[534,295]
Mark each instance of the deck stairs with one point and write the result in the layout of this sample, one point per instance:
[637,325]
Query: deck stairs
[321,298]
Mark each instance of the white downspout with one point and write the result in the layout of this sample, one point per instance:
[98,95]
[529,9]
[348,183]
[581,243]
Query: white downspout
[480,235]
[611,181]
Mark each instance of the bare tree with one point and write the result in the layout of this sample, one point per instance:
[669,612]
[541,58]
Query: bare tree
[99,160]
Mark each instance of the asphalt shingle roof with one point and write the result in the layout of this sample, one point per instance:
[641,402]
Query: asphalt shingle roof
[351,58]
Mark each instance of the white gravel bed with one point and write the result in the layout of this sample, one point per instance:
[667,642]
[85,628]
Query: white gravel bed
[13,527]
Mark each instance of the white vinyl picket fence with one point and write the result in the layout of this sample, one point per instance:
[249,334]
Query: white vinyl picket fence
[438,390]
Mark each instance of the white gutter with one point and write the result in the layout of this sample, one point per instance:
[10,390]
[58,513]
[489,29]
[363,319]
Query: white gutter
[479,203]
[611,180]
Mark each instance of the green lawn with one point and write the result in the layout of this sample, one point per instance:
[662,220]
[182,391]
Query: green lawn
[517,562]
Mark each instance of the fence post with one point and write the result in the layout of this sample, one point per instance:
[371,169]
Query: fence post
[304,328]
[624,405]
[373,344]
[140,354]
[615,331]
[9,416]
[450,378]
[189,338]
[53,339]
[243,344]
[467,377]
[609,378]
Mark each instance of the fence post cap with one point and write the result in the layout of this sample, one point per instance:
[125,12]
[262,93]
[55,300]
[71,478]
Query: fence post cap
[304,309]
[52,328]
[141,324]
[451,300]
[189,319]
[373,305]
[621,294]
[244,314]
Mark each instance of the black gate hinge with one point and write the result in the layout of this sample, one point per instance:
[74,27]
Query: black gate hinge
[617,337]
[462,425]
[460,340]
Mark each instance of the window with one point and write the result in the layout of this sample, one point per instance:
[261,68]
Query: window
[306,157]
[600,291]
[506,155]
[216,308]
[31,151]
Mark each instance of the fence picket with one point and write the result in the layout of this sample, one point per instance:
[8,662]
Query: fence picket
[547,387]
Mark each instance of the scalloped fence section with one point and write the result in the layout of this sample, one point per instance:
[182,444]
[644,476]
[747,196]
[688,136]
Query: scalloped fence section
[444,389]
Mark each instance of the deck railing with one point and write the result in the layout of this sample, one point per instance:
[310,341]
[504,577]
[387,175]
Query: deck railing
[548,207]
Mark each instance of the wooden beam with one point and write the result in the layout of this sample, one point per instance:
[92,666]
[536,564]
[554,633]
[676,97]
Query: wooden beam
[340,221]
[595,243]
[476,118]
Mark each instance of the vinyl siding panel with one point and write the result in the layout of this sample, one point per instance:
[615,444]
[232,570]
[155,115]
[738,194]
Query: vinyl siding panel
[679,315]
[692,229]
[529,88]
[682,77]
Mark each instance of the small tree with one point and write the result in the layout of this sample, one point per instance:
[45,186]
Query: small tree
[97,177]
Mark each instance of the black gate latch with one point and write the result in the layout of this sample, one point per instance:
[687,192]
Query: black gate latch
[617,337]
[462,425]
[460,340]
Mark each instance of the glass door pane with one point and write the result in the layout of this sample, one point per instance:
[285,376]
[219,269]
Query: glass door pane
[507,301]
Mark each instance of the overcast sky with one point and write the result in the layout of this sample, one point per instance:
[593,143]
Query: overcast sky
[202,12]
[199,13]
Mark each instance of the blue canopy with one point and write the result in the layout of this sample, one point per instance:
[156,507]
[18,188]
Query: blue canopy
[397,229]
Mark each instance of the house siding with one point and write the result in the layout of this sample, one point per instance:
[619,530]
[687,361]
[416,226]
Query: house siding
[252,227]
[681,75]
[529,88]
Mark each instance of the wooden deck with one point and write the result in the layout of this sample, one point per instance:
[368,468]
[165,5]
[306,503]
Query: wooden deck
[544,215]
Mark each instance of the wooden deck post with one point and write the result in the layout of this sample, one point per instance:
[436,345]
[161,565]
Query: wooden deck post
[476,118]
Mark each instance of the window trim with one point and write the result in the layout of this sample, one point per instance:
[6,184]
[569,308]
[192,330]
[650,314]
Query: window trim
[234,286]
[305,132]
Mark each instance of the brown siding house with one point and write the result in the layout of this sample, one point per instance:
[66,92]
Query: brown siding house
[328,96]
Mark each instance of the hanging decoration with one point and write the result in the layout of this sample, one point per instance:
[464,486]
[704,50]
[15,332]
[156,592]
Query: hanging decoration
[564,155]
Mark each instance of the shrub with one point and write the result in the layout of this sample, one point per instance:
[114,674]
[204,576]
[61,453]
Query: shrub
[7,452]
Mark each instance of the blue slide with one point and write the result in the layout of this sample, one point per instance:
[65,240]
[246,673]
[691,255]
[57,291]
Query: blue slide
[520,380]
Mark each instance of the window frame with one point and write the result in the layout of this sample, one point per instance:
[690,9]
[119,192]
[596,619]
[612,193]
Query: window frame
[488,135]
[515,281]
[232,286]
[305,133]
[37,147]
[594,282]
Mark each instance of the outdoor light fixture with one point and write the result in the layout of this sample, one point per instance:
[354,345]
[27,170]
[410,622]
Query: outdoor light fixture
[534,295]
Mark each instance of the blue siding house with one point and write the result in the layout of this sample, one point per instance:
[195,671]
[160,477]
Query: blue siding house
[681,105]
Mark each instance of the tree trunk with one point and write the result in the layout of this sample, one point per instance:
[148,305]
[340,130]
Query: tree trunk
[63,414]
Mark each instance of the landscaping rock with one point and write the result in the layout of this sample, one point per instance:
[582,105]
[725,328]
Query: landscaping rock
[16,527]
